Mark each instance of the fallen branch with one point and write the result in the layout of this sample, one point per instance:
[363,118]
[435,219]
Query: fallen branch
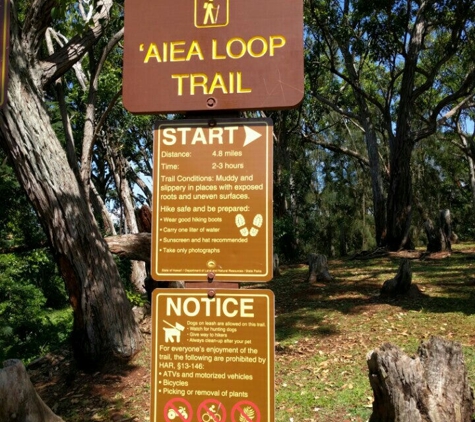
[132,246]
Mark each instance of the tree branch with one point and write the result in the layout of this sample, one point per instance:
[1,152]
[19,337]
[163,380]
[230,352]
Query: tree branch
[465,90]
[335,107]
[89,131]
[62,60]
[338,148]
[132,246]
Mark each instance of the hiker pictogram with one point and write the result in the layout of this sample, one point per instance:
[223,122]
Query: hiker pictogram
[211,13]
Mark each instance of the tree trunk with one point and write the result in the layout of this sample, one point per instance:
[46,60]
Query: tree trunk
[104,326]
[102,214]
[318,268]
[439,238]
[434,237]
[371,139]
[432,387]
[19,401]
[343,251]
[469,145]
[118,164]
[375,172]
[276,269]
[144,219]
[445,221]
[399,202]
[401,145]
[379,204]
[471,167]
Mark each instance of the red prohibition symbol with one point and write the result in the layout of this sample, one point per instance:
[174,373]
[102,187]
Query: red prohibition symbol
[245,411]
[177,410]
[211,410]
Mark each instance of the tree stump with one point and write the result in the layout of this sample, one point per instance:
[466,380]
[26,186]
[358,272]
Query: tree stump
[318,268]
[432,387]
[19,400]
[401,284]
[439,238]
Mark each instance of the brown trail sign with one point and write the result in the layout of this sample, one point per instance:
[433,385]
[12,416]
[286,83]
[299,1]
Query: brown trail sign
[212,355]
[212,55]
[212,209]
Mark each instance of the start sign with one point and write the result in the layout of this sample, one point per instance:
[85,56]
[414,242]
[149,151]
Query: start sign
[212,355]
[212,55]
[212,200]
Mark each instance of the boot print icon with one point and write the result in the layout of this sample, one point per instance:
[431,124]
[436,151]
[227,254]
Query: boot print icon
[256,225]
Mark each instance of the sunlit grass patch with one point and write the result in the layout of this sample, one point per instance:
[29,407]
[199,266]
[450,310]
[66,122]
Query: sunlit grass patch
[325,330]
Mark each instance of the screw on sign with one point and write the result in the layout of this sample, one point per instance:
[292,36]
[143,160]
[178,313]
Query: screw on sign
[211,410]
[177,410]
[245,411]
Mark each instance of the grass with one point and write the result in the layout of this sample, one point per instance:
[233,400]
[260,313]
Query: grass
[324,332]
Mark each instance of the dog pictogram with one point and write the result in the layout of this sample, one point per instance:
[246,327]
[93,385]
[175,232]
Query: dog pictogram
[174,333]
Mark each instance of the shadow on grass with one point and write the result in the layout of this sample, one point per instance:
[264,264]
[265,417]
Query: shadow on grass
[446,286]
[304,321]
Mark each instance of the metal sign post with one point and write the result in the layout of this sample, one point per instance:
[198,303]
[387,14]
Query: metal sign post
[4,48]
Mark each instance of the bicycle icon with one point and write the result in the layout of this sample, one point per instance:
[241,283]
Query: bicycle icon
[211,415]
[211,411]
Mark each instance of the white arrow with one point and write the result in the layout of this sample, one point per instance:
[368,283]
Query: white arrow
[251,135]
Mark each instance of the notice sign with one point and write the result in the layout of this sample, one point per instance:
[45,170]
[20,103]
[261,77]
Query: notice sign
[212,357]
[212,200]
[212,55]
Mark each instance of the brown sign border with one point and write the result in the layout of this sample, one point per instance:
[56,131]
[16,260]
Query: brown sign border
[161,275]
[253,61]
[262,294]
